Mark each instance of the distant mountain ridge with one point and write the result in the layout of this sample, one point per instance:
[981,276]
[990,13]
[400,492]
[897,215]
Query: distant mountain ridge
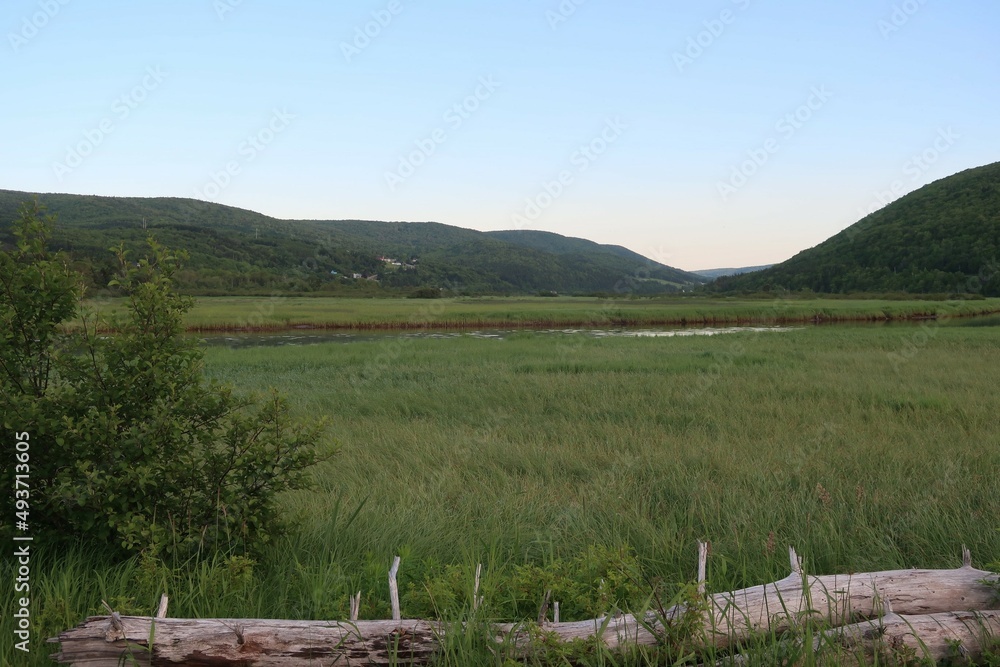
[234,250]
[561,245]
[720,273]
[941,238]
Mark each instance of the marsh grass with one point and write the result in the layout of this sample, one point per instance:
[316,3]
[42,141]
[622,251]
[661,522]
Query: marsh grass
[281,312]
[592,467]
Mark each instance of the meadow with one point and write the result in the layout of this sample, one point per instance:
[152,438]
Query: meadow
[592,467]
[282,312]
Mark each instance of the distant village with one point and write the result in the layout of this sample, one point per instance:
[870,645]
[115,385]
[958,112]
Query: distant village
[391,264]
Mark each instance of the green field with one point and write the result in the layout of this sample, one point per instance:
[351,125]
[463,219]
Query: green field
[279,312]
[592,467]
[536,446]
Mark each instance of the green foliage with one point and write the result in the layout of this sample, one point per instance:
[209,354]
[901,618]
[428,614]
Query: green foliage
[944,237]
[39,292]
[590,584]
[679,636]
[425,293]
[131,445]
[234,251]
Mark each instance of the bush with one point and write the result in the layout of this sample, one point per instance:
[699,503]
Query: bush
[425,293]
[130,444]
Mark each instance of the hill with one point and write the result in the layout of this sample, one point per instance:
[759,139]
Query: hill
[712,274]
[609,257]
[237,251]
[944,237]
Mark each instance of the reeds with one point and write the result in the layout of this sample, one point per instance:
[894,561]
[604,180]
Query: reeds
[529,453]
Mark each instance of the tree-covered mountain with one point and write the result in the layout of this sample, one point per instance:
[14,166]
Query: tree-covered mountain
[719,273]
[944,237]
[582,250]
[233,250]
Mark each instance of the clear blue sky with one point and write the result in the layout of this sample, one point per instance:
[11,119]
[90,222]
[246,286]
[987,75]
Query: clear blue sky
[666,121]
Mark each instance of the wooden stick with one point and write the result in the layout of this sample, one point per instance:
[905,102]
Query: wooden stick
[355,606]
[394,590]
[161,611]
[543,611]
[795,561]
[115,628]
[702,563]
[555,612]
[476,599]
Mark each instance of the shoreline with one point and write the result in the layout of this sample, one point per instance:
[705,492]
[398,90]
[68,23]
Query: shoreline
[446,324]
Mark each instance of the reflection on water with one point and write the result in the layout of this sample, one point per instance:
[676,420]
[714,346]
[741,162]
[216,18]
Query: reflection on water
[234,340]
[988,321]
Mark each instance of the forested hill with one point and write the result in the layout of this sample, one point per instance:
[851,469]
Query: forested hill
[236,251]
[944,237]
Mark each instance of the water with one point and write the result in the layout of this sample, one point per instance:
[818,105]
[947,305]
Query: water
[987,321]
[241,340]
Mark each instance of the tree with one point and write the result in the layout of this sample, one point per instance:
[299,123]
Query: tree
[130,444]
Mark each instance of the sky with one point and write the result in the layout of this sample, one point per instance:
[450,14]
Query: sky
[700,134]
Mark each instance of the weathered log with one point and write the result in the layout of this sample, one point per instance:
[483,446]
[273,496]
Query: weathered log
[959,636]
[844,599]
[734,617]
[264,643]
[778,607]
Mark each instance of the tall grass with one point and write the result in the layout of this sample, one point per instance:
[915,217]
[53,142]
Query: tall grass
[544,446]
[592,467]
[280,312]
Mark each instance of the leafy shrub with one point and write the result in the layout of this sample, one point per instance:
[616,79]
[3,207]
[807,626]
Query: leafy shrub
[425,293]
[593,583]
[130,444]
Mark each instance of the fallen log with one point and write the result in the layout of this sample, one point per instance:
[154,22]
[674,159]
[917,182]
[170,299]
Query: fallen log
[843,599]
[726,619]
[106,640]
[945,638]
[777,607]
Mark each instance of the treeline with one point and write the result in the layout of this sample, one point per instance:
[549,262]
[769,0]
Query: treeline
[233,251]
